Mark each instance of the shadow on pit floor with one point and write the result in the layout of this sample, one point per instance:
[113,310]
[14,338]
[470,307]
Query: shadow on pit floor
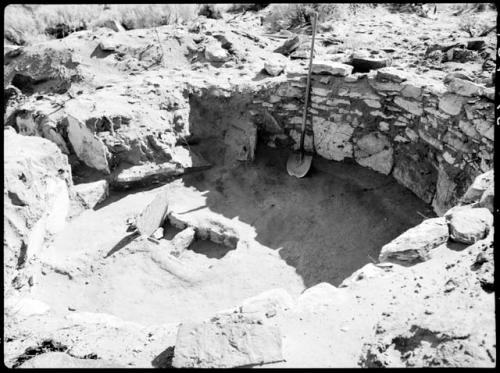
[326,225]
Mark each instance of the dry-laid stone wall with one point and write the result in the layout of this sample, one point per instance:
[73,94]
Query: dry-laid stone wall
[434,137]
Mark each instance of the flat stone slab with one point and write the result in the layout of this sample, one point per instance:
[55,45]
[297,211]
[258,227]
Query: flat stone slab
[464,87]
[393,74]
[331,68]
[183,161]
[145,174]
[366,62]
[227,341]
[414,244]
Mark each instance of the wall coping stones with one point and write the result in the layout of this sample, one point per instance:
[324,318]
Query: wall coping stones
[464,87]
[331,68]
[393,74]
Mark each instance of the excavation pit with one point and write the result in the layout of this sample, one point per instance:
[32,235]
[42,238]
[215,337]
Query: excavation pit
[293,234]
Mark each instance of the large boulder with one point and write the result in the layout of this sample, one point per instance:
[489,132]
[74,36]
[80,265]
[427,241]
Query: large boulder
[414,245]
[468,225]
[41,64]
[37,193]
[227,341]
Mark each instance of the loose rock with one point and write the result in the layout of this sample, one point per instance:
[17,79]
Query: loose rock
[468,225]
[227,341]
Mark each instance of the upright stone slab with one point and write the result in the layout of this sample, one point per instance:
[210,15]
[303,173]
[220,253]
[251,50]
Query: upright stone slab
[182,240]
[153,215]
[88,147]
[227,341]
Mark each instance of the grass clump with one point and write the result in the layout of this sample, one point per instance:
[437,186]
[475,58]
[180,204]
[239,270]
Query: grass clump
[474,26]
[27,24]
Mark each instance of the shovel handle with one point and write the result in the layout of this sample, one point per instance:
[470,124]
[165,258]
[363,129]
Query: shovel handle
[304,116]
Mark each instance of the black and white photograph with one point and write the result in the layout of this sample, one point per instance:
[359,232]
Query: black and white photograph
[249,185]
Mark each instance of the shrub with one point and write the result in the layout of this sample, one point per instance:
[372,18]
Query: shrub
[287,16]
[474,26]
[151,15]
[472,7]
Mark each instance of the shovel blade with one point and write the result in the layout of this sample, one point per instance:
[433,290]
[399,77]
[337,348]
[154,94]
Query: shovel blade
[298,166]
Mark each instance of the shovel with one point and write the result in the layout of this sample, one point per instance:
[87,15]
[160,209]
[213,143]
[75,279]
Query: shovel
[298,164]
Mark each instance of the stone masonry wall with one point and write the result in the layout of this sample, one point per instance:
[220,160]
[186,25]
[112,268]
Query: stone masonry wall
[433,138]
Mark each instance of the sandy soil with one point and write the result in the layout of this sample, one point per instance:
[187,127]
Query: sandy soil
[317,229]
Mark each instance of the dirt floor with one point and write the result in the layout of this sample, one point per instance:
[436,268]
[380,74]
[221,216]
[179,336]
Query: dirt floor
[300,232]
